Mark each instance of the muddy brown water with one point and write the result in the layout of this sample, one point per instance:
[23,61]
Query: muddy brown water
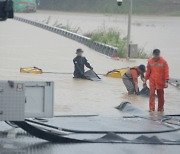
[148,32]
[23,45]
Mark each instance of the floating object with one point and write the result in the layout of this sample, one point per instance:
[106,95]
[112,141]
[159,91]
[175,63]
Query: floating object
[145,92]
[91,75]
[33,70]
[175,82]
[117,73]
[129,108]
[36,70]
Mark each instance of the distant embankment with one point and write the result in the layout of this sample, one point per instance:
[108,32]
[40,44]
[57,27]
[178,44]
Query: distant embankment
[142,7]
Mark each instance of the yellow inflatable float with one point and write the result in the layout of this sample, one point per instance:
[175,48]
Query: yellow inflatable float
[117,73]
[34,70]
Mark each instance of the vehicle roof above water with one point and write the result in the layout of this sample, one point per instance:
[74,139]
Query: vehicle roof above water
[28,144]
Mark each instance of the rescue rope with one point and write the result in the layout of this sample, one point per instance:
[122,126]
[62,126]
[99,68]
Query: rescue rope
[64,73]
[74,116]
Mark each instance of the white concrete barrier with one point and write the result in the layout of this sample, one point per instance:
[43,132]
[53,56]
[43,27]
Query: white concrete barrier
[97,46]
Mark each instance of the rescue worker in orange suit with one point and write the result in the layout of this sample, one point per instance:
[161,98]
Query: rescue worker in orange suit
[130,79]
[158,76]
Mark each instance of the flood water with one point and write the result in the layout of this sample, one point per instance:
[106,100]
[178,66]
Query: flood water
[148,32]
[23,45]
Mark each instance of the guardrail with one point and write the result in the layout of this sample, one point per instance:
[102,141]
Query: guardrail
[97,46]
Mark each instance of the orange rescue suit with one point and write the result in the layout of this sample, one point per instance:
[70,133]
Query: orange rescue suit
[135,74]
[157,73]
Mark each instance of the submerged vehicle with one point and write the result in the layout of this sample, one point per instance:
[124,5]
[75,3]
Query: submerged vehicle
[25,5]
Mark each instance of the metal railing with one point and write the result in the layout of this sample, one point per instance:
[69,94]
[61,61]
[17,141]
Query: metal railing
[97,46]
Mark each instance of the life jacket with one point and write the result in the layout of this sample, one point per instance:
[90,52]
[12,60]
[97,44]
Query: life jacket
[128,74]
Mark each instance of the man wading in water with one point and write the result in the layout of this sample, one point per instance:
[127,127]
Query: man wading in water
[79,63]
[130,78]
[158,76]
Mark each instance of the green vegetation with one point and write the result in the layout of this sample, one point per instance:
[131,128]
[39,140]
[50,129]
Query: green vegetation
[109,36]
[67,27]
[153,7]
[113,37]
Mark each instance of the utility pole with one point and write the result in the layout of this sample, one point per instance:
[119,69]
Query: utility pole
[119,3]
[129,28]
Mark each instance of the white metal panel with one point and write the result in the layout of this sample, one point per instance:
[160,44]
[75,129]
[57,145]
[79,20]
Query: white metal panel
[26,99]
[12,99]
[39,99]
[34,99]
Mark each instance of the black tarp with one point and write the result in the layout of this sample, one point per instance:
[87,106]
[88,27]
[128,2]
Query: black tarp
[91,75]
[145,92]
